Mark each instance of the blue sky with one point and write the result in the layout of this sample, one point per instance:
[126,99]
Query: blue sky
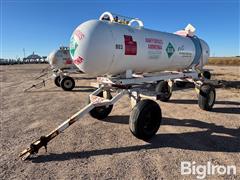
[43,25]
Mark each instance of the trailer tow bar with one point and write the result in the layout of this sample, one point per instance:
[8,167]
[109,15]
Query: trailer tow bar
[95,101]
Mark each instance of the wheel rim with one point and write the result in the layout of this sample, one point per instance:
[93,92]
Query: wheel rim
[68,83]
[211,98]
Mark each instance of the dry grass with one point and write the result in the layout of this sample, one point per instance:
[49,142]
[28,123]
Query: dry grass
[224,61]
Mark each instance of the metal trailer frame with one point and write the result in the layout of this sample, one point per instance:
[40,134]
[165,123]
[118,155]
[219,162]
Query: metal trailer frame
[136,87]
[66,72]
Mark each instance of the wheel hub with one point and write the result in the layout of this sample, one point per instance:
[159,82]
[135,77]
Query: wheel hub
[68,84]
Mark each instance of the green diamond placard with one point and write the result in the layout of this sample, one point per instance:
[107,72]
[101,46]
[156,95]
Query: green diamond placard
[73,46]
[170,50]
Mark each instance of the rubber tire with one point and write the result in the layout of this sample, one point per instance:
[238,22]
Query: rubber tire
[206,75]
[62,83]
[160,89]
[138,116]
[57,81]
[204,97]
[101,112]
[181,84]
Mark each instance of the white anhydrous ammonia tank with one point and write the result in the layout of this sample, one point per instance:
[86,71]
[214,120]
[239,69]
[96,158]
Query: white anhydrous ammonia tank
[100,47]
[61,59]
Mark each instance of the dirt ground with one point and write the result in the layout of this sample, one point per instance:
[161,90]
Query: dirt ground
[93,149]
